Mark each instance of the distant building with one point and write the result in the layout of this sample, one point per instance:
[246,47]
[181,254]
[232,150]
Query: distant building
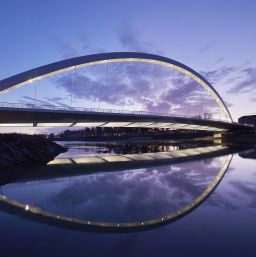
[250,119]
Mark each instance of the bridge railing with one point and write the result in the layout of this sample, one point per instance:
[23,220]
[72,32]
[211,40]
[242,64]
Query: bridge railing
[98,110]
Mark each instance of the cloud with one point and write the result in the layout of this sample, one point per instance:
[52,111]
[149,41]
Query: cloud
[238,79]
[66,49]
[207,47]
[247,190]
[220,60]
[57,101]
[228,104]
[123,82]
[54,98]
[84,41]
[129,40]
[53,101]
[31,100]
[135,88]
[120,196]
[161,106]
[127,37]
[253,38]
[234,79]
[216,75]
[81,47]
[124,91]
[187,97]
[247,84]
[90,89]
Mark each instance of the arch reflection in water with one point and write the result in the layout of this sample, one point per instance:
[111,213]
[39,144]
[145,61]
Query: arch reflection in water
[161,191]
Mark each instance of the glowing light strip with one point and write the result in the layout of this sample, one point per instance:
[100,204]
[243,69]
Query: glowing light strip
[159,125]
[158,155]
[54,124]
[137,157]
[176,125]
[139,124]
[60,161]
[116,124]
[89,124]
[16,125]
[89,159]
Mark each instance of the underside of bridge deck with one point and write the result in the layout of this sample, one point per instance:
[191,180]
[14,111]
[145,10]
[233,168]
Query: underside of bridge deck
[63,118]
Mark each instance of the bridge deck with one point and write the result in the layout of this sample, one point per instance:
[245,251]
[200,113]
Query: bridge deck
[44,117]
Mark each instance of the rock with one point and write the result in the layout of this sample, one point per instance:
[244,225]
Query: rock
[21,150]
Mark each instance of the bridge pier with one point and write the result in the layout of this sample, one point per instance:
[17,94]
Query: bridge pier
[236,137]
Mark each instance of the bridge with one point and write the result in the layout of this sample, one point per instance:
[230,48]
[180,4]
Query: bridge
[29,115]
[25,115]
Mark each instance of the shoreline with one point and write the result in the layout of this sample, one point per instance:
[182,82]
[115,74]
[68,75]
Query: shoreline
[19,150]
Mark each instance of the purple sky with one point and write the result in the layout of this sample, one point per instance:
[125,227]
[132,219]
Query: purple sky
[216,38]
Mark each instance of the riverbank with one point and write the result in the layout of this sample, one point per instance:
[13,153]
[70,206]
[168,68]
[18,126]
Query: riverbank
[17,150]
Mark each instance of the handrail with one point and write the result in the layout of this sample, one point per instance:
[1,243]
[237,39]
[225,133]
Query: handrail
[98,110]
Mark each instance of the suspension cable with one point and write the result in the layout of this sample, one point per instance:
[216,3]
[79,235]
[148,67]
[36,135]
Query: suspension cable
[107,90]
[75,87]
[71,93]
[123,102]
[35,92]
[201,105]
[171,92]
[188,109]
[155,75]
[134,95]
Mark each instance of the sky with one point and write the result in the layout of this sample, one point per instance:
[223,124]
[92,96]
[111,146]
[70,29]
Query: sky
[216,38]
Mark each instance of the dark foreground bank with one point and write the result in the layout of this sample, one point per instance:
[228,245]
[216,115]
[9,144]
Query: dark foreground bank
[18,150]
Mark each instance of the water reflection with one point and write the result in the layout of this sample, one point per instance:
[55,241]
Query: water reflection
[146,195]
[132,147]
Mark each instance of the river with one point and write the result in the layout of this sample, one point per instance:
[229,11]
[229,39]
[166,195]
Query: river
[132,183]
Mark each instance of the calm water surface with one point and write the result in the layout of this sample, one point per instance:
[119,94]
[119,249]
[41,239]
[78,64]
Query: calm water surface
[223,225]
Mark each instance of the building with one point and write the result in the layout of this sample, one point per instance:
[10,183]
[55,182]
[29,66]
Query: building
[251,119]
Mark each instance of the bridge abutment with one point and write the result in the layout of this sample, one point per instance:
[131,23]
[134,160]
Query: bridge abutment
[235,137]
